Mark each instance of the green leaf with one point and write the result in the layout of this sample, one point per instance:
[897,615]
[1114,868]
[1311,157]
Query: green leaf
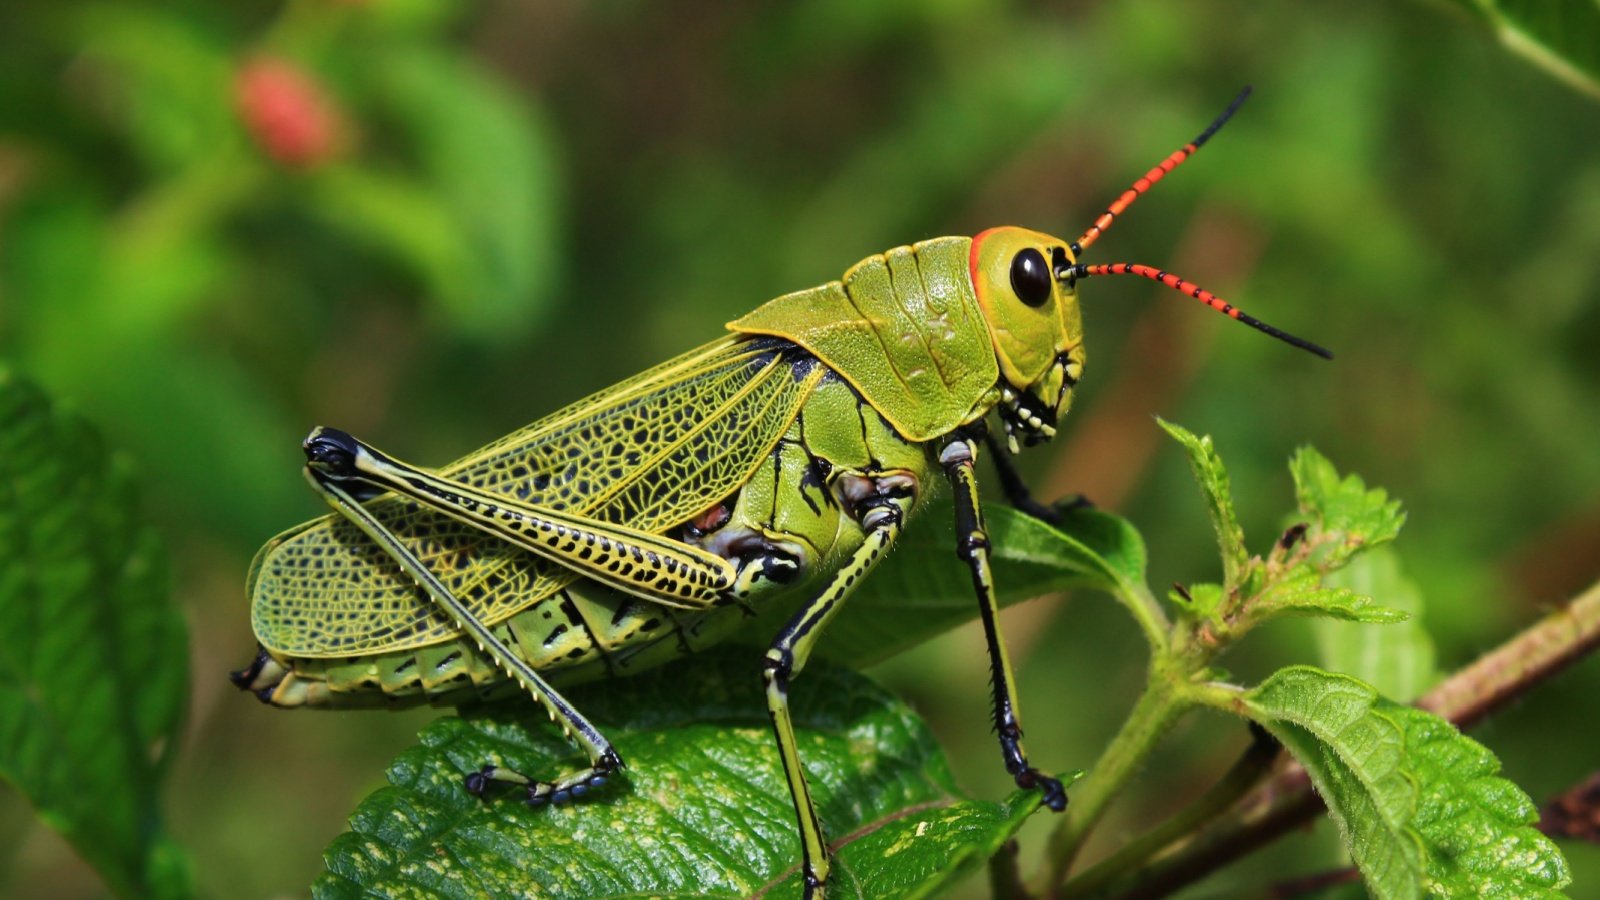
[489,160]
[94,673]
[1306,593]
[1397,660]
[1478,827]
[1561,36]
[1347,517]
[923,590]
[702,809]
[168,82]
[1212,477]
[1418,804]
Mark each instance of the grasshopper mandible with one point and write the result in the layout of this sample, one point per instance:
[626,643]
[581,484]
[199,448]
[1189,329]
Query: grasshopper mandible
[777,464]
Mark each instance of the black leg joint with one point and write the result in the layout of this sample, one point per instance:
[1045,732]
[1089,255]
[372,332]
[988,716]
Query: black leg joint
[970,545]
[1051,792]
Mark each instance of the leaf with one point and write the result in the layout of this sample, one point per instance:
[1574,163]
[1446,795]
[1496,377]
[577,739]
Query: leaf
[1306,593]
[94,674]
[1560,36]
[1212,477]
[1356,759]
[701,810]
[1397,660]
[923,590]
[1347,517]
[1418,804]
[1478,827]
[492,166]
[168,79]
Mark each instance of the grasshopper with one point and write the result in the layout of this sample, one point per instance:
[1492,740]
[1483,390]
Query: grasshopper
[776,465]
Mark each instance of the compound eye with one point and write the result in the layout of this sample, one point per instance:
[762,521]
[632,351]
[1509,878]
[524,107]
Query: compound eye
[1031,278]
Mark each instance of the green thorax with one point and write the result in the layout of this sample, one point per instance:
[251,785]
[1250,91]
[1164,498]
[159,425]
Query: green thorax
[904,328]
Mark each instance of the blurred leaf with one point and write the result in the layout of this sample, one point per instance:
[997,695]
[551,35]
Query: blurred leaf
[95,670]
[1561,36]
[702,809]
[164,79]
[922,589]
[488,157]
[1305,593]
[1397,660]
[400,217]
[1212,477]
[1419,805]
[1346,516]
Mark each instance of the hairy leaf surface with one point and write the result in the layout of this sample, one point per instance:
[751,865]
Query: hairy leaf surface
[1420,806]
[1346,516]
[1212,478]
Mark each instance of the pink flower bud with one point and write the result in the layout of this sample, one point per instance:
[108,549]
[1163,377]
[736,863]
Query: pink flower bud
[288,114]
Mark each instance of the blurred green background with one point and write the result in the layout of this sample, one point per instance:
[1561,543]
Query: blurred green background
[429,222]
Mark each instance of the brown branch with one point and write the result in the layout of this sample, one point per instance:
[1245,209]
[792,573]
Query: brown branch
[1465,698]
[1507,672]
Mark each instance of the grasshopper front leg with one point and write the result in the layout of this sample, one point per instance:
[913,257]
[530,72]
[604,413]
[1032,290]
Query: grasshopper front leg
[959,459]
[603,758]
[1017,492]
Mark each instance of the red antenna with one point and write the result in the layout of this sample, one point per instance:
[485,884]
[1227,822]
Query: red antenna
[1155,175]
[1072,273]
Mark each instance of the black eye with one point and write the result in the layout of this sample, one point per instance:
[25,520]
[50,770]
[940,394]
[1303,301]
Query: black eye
[1030,277]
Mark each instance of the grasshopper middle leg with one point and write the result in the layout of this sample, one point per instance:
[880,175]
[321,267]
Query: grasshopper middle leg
[788,655]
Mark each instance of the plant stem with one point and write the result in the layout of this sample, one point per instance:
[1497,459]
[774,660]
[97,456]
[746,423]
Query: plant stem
[1508,671]
[1147,611]
[1005,882]
[1156,710]
[1246,772]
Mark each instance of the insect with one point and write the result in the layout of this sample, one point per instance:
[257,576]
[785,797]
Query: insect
[777,464]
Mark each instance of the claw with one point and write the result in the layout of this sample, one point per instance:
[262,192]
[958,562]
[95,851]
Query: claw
[1051,793]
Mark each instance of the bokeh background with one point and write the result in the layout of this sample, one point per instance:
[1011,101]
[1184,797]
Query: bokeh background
[428,222]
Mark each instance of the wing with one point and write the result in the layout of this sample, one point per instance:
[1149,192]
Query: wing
[652,452]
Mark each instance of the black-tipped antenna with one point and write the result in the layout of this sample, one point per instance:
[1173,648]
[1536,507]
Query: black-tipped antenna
[1155,175]
[1072,273]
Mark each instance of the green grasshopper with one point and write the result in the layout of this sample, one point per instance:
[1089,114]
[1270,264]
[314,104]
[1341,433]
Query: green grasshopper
[776,465]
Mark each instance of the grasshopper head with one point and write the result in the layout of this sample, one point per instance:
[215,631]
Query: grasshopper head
[1031,306]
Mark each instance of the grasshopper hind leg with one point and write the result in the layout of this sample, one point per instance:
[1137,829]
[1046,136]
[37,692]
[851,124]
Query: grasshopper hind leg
[603,758]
